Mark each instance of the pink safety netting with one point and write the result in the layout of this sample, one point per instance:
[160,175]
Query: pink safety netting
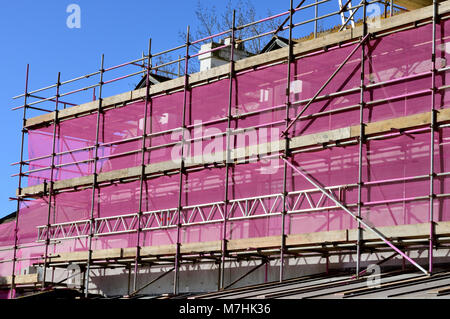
[258,99]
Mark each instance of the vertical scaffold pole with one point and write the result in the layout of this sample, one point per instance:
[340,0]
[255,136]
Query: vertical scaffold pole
[286,147]
[316,14]
[19,189]
[95,177]
[182,167]
[228,157]
[52,172]
[432,133]
[142,179]
[361,145]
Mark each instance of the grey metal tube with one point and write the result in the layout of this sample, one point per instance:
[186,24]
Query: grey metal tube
[227,158]
[432,144]
[361,144]
[95,176]
[52,172]
[286,140]
[182,164]
[141,182]
[16,239]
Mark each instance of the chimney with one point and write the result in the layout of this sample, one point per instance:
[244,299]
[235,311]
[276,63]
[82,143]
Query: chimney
[220,57]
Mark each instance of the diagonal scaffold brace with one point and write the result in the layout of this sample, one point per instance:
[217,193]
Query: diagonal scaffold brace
[304,174]
[150,282]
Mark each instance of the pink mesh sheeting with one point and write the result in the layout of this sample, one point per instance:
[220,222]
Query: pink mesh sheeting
[408,54]
[118,125]
[442,183]
[6,244]
[386,203]
[71,136]
[166,114]
[310,74]
[7,233]
[39,145]
[260,90]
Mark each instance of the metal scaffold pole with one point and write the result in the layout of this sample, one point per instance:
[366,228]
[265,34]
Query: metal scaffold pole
[142,177]
[286,147]
[182,168]
[19,189]
[51,181]
[316,14]
[95,178]
[361,144]
[432,134]
[228,157]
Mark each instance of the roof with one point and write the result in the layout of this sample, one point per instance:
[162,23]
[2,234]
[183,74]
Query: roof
[154,79]
[393,285]
[275,43]
[8,218]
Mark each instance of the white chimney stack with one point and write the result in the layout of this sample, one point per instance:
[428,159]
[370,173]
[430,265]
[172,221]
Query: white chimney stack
[219,57]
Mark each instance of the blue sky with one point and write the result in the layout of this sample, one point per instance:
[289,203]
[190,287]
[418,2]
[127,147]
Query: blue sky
[35,32]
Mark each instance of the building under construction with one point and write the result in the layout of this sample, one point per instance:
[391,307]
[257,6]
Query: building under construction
[325,153]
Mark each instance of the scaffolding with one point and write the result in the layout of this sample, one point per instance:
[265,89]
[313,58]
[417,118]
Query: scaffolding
[61,171]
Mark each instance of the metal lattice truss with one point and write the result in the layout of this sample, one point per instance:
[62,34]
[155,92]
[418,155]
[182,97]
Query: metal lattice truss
[305,201]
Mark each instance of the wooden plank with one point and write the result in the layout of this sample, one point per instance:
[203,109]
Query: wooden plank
[409,231]
[314,238]
[442,228]
[129,252]
[394,124]
[69,256]
[20,279]
[321,137]
[201,247]
[186,248]
[159,250]
[413,4]
[254,243]
[107,253]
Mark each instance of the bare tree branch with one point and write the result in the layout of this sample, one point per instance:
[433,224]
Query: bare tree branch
[209,23]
